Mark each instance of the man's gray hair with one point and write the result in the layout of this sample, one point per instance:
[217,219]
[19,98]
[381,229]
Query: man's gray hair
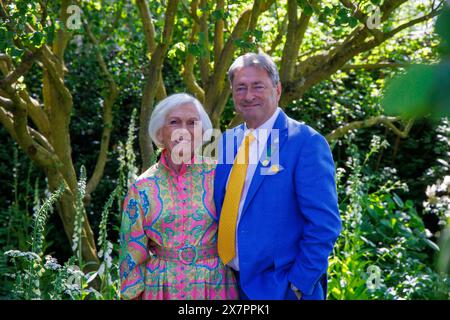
[259,60]
[171,102]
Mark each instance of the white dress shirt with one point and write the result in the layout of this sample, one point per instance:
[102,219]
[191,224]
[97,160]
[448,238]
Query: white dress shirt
[255,151]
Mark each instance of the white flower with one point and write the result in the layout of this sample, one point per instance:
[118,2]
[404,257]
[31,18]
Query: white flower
[51,263]
[431,192]
[445,186]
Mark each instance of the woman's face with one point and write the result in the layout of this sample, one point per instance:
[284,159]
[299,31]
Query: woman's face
[181,132]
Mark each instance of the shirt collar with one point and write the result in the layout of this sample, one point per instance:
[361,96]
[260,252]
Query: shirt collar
[268,125]
[184,167]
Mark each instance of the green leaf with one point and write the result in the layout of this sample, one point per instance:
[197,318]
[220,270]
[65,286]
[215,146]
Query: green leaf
[410,94]
[441,96]
[443,29]
[386,223]
[306,7]
[398,201]
[352,22]
[308,10]
[302,3]
[258,34]
[194,49]
[344,14]
[431,244]
[218,14]
[36,38]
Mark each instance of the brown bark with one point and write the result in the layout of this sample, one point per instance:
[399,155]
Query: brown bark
[294,38]
[218,32]
[387,121]
[321,66]
[153,77]
[218,88]
[109,99]
[188,71]
[48,144]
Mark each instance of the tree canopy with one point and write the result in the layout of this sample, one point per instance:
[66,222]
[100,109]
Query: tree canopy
[72,71]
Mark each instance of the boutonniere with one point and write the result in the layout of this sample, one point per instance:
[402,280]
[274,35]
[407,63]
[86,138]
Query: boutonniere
[271,170]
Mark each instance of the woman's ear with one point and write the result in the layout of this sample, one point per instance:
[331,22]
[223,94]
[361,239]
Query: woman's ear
[159,135]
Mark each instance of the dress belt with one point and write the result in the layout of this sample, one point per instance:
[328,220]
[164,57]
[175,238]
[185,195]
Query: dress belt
[188,254]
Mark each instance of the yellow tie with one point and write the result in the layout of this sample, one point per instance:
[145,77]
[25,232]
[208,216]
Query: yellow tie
[228,217]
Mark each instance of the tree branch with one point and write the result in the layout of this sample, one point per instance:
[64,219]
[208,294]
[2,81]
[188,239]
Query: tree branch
[62,36]
[217,80]
[358,14]
[319,67]
[387,121]
[218,31]
[188,71]
[6,103]
[55,71]
[16,124]
[191,13]
[375,66]
[149,30]
[218,91]
[281,32]
[109,99]
[6,64]
[153,72]
[426,17]
[7,122]
[295,34]
[36,113]
[21,69]
[204,58]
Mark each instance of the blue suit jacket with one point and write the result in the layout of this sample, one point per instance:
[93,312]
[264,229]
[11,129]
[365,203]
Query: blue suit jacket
[290,219]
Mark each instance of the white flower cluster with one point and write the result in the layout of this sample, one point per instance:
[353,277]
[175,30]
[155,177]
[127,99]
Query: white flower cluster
[23,254]
[51,263]
[435,189]
[107,260]
[438,201]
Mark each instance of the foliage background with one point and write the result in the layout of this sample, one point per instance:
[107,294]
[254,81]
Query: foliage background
[393,191]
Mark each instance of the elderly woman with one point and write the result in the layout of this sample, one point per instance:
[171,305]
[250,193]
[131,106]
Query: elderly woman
[169,224]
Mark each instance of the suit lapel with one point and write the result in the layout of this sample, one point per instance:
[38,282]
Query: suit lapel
[282,125]
[223,171]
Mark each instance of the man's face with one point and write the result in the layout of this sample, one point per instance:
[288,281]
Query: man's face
[254,95]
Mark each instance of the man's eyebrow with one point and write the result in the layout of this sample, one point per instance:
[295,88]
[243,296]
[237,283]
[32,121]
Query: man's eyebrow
[252,83]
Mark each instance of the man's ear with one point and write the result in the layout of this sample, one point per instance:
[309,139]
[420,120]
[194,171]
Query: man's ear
[279,90]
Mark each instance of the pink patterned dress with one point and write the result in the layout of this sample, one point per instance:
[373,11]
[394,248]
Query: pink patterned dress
[170,210]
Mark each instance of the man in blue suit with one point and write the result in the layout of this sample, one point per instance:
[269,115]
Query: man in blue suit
[279,216]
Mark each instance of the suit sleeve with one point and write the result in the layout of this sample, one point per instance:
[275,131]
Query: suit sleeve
[133,247]
[315,188]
